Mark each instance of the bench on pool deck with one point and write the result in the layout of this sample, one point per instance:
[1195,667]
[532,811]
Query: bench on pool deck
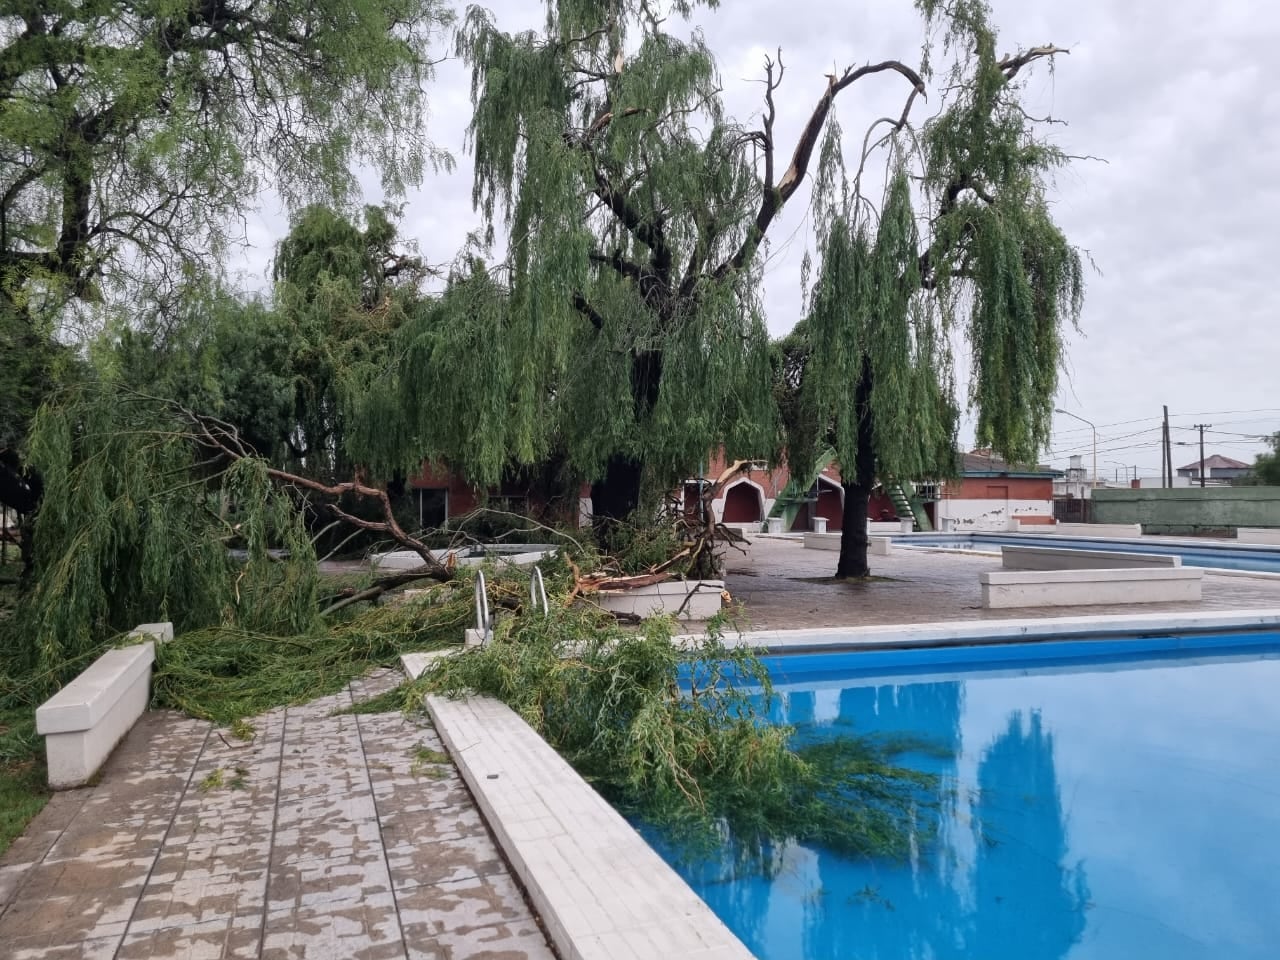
[1258,535]
[1081,588]
[82,723]
[1068,558]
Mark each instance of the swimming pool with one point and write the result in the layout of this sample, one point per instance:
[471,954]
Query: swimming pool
[1222,555]
[1097,800]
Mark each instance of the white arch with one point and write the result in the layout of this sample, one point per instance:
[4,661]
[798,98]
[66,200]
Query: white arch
[717,505]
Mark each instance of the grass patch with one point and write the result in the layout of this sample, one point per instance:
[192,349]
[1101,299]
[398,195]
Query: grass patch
[23,785]
[429,763]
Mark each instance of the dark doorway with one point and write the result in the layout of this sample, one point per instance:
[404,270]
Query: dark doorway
[433,507]
[742,504]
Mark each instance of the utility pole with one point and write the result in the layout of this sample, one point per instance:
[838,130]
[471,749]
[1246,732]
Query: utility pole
[1202,427]
[1166,454]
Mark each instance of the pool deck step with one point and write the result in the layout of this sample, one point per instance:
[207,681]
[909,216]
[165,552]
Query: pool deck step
[601,891]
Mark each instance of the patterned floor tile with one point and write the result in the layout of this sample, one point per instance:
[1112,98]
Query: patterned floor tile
[463,905]
[224,938]
[192,901]
[354,930]
[313,882]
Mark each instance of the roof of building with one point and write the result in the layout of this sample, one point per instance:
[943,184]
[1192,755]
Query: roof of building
[984,463]
[1217,462]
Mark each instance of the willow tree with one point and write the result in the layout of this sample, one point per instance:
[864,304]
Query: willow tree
[132,133]
[970,253]
[636,211]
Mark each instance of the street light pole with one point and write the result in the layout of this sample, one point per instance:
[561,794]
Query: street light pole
[1089,424]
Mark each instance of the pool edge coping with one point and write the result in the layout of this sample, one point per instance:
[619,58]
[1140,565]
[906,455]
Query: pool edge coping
[668,918]
[982,632]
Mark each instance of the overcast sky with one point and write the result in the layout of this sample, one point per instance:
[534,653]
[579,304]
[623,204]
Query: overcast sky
[1181,219]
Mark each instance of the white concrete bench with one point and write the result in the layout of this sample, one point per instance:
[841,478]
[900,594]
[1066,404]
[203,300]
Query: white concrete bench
[83,722]
[880,546]
[1066,558]
[1108,530]
[883,527]
[822,541]
[1082,588]
[683,599]
[1258,535]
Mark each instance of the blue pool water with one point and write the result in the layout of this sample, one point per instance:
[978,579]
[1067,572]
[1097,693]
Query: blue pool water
[1220,555]
[1121,806]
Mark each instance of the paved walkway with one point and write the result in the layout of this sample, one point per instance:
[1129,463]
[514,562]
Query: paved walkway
[783,586]
[331,837]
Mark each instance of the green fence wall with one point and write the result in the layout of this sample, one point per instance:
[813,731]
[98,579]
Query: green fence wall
[1190,510]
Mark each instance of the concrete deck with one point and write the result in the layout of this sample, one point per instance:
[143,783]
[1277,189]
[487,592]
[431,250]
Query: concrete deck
[340,838]
[784,586]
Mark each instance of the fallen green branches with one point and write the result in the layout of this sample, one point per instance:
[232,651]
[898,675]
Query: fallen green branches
[226,673]
[667,733]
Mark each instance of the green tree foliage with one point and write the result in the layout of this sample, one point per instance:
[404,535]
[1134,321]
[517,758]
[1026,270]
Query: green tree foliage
[452,392]
[288,372]
[971,253]
[341,294]
[692,762]
[135,526]
[215,352]
[1266,468]
[636,211]
[131,132]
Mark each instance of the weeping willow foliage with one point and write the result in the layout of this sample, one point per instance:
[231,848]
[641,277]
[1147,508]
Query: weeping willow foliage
[134,527]
[454,391]
[1005,272]
[869,335]
[600,146]
[875,348]
[668,732]
[227,672]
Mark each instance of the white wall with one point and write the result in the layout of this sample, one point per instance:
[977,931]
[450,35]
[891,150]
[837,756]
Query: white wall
[1145,482]
[989,514]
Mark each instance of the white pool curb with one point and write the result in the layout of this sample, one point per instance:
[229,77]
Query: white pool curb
[971,632]
[599,888]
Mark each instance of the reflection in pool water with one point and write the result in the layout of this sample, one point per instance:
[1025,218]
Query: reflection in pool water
[1094,811]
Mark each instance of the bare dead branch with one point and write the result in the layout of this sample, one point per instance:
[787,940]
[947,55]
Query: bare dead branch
[1012,64]
[773,197]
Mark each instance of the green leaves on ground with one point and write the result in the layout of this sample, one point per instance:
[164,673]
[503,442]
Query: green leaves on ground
[693,760]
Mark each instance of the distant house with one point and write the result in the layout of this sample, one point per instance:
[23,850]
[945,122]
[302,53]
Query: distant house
[1216,467]
[987,495]
[991,492]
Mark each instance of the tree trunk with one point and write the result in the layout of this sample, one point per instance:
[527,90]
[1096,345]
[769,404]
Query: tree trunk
[853,534]
[857,490]
[615,496]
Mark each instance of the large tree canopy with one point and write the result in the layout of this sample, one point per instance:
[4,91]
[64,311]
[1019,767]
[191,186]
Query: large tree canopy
[970,253]
[635,209]
[131,132]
